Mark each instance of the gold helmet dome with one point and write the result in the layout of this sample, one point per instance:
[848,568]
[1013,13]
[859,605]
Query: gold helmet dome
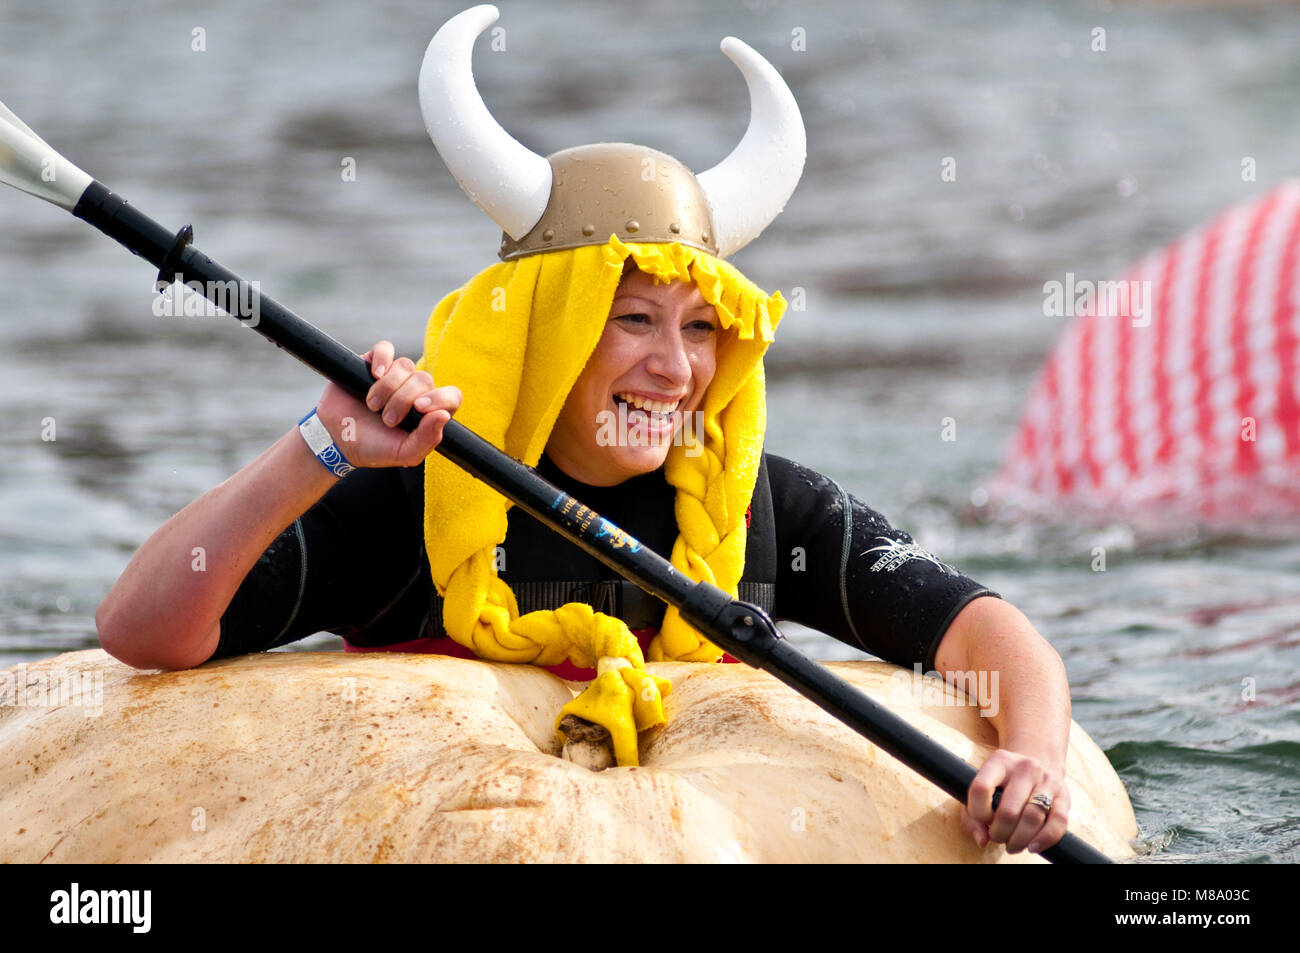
[581,196]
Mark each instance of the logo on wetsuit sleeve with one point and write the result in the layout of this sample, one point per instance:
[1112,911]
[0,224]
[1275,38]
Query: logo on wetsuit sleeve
[895,553]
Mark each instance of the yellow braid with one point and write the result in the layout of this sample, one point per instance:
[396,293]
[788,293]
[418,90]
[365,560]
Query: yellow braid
[514,340]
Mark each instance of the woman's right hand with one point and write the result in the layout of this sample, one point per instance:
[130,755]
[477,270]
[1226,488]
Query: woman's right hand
[165,611]
[368,434]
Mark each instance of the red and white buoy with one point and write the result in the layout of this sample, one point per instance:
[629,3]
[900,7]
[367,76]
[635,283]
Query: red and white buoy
[1183,400]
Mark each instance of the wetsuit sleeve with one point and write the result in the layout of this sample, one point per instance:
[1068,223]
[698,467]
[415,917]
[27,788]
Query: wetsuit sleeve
[342,567]
[843,570]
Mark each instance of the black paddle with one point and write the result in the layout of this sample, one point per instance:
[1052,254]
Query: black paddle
[743,630]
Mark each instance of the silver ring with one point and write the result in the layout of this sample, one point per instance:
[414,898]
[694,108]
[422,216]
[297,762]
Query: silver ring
[1042,800]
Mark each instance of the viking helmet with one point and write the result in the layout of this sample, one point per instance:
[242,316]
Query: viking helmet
[581,196]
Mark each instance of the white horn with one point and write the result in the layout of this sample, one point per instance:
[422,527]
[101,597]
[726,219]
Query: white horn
[748,188]
[509,182]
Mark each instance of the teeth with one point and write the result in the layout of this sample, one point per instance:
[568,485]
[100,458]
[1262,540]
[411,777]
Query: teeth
[651,406]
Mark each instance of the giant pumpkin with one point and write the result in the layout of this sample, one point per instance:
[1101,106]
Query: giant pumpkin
[293,756]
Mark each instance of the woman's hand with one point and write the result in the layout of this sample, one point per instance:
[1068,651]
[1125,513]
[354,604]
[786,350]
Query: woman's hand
[1017,822]
[162,613]
[368,434]
[1029,708]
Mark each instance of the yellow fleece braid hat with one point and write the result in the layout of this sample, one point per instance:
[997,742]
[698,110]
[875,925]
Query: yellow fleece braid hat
[516,337]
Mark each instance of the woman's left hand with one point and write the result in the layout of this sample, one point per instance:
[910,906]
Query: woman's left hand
[1029,708]
[1018,823]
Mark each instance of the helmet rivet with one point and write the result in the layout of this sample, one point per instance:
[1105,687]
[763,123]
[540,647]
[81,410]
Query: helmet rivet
[675,228]
[632,225]
[704,236]
[589,230]
[548,234]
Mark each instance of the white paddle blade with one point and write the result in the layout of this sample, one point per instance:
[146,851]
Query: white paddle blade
[29,164]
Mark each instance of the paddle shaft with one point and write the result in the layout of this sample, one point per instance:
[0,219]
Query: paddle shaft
[742,630]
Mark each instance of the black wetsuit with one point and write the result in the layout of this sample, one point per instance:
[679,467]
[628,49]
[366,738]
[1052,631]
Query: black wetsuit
[355,563]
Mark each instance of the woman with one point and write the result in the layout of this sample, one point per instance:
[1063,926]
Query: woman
[614,349]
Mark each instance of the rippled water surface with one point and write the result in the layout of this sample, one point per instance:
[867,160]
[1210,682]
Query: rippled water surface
[922,298]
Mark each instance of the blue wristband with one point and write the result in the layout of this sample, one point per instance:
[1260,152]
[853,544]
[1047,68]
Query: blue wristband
[321,443]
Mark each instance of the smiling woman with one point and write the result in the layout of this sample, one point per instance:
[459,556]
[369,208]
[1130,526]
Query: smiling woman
[612,297]
[649,372]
